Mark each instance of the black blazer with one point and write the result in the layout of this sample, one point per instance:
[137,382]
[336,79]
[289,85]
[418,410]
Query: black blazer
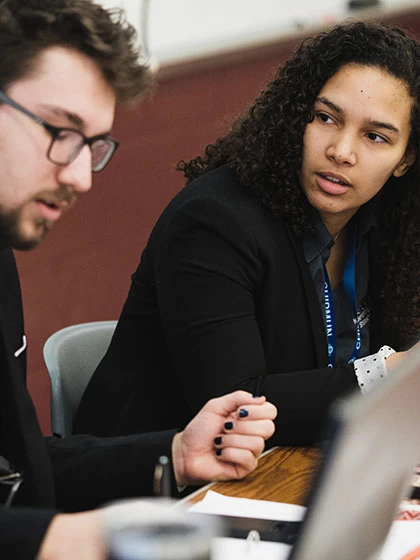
[71,474]
[222,295]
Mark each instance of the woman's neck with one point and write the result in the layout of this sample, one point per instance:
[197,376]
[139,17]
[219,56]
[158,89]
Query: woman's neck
[337,259]
[336,223]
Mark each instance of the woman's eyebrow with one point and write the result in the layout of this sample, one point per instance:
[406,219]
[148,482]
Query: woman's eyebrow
[372,122]
[330,104]
[388,126]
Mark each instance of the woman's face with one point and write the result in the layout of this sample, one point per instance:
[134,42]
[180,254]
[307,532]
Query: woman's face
[358,138]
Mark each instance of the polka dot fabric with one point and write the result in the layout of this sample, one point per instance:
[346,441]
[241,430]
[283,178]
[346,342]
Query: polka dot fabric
[371,369]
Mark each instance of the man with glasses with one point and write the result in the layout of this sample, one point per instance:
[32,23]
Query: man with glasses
[67,143]
[65,64]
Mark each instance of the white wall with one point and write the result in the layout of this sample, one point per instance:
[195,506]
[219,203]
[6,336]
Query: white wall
[186,29]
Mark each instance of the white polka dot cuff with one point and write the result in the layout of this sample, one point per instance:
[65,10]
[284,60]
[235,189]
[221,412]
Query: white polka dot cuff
[371,369]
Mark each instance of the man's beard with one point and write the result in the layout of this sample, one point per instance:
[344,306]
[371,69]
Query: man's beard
[10,233]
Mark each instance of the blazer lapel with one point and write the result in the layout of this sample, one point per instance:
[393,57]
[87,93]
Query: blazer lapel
[315,315]
[21,440]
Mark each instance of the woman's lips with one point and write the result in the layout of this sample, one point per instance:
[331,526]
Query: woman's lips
[330,184]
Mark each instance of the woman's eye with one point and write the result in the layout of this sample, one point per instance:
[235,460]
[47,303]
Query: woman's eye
[323,117]
[375,137]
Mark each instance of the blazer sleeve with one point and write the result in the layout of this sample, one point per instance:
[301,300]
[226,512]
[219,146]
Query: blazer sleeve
[209,269]
[90,471]
[22,531]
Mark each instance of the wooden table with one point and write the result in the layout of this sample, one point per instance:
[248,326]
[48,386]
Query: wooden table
[284,474]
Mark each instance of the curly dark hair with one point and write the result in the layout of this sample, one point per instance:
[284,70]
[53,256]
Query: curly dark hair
[264,147]
[28,27]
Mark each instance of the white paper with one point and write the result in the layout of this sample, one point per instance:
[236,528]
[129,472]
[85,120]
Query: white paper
[403,537]
[244,507]
[240,549]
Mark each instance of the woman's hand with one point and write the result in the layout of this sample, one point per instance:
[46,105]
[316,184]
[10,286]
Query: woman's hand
[224,440]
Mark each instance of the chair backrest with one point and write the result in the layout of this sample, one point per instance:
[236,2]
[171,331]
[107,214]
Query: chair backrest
[71,356]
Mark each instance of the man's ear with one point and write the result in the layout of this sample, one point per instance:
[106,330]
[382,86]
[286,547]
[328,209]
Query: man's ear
[406,162]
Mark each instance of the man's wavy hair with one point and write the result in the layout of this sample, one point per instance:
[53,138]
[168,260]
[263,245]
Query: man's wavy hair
[28,27]
[264,148]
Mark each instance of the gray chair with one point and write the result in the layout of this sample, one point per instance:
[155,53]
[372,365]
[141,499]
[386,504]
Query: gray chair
[71,356]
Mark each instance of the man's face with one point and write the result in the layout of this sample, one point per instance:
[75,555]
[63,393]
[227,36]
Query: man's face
[66,89]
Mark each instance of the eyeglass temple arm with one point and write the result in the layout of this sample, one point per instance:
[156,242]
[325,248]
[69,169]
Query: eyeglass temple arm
[6,99]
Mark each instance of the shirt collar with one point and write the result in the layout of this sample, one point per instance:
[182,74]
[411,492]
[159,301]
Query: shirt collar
[314,244]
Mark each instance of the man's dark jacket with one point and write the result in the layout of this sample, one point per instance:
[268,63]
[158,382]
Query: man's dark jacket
[72,474]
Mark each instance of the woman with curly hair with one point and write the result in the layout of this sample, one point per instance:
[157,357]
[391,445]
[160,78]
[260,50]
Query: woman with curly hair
[290,263]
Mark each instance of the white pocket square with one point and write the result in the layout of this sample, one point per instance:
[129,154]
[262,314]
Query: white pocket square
[22,348]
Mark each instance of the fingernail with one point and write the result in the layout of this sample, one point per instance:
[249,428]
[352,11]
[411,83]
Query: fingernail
[218,452]
[218,440]
[243,413]
[228,425]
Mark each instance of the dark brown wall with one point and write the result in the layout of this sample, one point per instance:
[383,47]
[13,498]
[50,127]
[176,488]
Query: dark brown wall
[81,272]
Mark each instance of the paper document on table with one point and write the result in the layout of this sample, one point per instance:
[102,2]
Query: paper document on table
[243,507]
[239,549]
[403,538]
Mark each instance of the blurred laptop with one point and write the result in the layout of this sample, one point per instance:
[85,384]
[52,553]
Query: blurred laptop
[371,448]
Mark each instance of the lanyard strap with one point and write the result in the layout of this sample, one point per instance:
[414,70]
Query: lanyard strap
[349,279]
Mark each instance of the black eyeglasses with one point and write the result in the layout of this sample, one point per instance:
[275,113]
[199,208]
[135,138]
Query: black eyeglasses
[67,143]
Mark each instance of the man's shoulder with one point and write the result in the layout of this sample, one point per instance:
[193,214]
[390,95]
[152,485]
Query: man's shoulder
[8,270]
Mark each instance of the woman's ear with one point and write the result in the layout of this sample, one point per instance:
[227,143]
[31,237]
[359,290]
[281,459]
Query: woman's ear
[406,162]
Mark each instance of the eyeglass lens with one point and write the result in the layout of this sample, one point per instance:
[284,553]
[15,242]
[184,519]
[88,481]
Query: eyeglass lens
[68,144]
[102,151]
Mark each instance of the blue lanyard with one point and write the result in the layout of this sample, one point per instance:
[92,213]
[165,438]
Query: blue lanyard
[349,279]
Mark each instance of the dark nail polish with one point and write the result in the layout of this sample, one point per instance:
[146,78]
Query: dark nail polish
[243,413]
[228,425]
[218,452]
[218,440]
